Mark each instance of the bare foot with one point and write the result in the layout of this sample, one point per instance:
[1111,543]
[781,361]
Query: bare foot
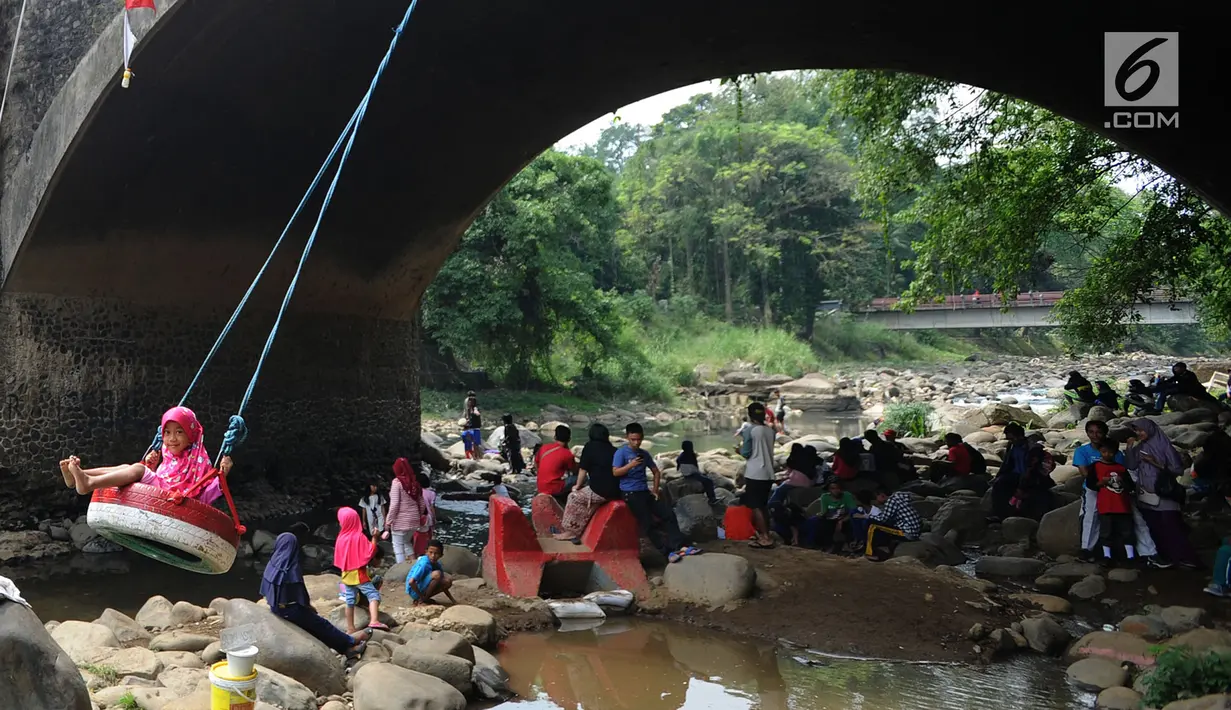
[69,481]
[82,481]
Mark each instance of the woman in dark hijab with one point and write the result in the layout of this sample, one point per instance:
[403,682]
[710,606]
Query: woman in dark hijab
[1157,464]
[846,460]
[283,588]
[690,469]
[594,469]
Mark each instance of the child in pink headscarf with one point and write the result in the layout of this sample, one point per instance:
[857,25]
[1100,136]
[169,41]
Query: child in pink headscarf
[178,466]
[351,554]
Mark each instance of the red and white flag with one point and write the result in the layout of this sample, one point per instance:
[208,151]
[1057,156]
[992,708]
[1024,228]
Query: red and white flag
[130,39]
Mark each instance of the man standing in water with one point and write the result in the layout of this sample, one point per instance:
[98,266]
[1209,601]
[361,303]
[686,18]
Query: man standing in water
[759,473]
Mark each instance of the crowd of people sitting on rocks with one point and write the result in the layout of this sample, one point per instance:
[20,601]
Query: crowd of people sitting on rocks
[1143,398]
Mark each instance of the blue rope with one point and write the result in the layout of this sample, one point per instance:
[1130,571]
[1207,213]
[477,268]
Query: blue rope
[237,429]
[350,143]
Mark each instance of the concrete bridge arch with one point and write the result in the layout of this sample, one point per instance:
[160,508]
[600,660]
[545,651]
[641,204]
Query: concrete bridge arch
[131,220]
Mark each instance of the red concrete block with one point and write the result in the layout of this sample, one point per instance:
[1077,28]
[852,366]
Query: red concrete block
[515,556]
[546,514]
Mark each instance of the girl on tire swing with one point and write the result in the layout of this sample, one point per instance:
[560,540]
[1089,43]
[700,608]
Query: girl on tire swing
[178,467]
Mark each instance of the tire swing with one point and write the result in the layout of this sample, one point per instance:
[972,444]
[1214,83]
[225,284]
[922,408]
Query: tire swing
[172,527]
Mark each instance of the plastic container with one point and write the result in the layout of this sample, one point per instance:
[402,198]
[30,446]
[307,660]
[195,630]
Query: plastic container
[229,692]
[241,661]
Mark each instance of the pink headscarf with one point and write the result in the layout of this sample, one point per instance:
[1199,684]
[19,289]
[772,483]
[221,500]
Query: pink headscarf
[180,473]
[353,549]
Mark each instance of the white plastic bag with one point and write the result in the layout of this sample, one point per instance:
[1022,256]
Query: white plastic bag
[577,609]
[616,599]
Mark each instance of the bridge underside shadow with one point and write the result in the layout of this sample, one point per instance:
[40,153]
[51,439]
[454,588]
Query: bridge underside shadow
[172,191]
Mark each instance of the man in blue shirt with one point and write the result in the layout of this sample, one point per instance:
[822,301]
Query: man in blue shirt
[1083,458]
[654,516]
[426,578]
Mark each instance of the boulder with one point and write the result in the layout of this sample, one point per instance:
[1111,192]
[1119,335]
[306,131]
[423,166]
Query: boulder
[1088,588]
[1099,413]
[1063,474]
[1097,674]
[337,617]
[451,669]
[696,518]
[998,413]
[472,623]
[201,699]
[183,681]
[1123,575]
[29,546]
[1059,531]
[1207,702]
[1008,566]
[457,560]
[156,613]
[38,674]
[150,698]
[1118,698]
[184,613]
[283,692]
[180,659]
[180,641]
[1181,618]
[383,686]
[127,631]
[1202,640]
[1045,635]
[963,515]
[1052,585]
[288,649]
[1113,645]
[85,642]
[1150,628]
[420,639]
[1073,570]
[489,678]
[263,542]
[1018,529]
[137,662]
[933,549]
[1046,602]
[1067,418]
[711,579]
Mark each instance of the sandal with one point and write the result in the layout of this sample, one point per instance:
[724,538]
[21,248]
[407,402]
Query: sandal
[358,650]
[756,545]
[378,625]
[674,557]
[690,551]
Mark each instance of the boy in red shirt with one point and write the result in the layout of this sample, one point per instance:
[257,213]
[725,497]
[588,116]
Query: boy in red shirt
[1115,501]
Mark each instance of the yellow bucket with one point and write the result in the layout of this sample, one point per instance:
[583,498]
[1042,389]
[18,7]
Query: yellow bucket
[229,693]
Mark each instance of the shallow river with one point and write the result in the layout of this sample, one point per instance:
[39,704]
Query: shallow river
[646,665]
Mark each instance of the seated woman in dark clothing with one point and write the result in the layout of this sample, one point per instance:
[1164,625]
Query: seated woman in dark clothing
[1107,396]
[283,588]
[1078,389]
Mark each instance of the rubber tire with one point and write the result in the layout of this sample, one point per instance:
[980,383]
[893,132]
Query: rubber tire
[190,535]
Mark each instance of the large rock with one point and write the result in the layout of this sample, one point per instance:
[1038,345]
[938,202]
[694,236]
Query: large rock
[263,542]
[382,686]
[1099,413]
[472,623]
[180,641]
[1064,474]
[711,579]
[1203,640]
[420,639]
[35,672]
[85,642]
[1088,588]
[997,413]
[1059,531]
[30,546]
[1148,627]
[1018,529]
[696,518]
[1045,635]
[932,548]
[1181,618]
[183,681]
[156,613]
[283,692]
[184,613]
[1073,570]
[1067,418]
[137,662]
[489,678]
[451,669]
[288,649]
[1118,698]
[1097,674]
[1113,645]
[337,617]
[963,515]
[1045,602]
[1208,702]
[127,631]
[1009,566]
[457,560]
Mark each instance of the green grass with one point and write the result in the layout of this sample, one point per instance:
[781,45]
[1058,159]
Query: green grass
[910,419]
[842,339]
[444,404]
[107,674]
[128,702]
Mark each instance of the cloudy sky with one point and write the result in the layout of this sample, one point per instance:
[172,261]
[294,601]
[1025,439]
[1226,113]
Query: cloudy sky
[646,112]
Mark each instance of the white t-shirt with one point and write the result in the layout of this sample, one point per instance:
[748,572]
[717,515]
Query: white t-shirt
[761,462]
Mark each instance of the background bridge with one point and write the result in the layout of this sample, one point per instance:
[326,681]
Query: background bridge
[990,311]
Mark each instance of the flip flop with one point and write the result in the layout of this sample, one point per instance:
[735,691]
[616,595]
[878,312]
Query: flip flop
[378,625]
[690,551]
[760,546]
[674,557]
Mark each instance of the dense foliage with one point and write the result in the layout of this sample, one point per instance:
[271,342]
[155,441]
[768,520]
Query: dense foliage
[1181,673]
[718,231]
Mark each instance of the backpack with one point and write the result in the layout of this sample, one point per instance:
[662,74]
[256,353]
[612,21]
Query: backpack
[978,464]
[745,447]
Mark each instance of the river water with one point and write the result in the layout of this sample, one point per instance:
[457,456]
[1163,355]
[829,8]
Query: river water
[636,664]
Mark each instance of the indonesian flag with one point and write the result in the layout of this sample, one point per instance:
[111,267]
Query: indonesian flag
[130,39]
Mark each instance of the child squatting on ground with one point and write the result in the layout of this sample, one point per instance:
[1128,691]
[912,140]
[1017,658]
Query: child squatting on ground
[178,466]
[426,578]
[352,554]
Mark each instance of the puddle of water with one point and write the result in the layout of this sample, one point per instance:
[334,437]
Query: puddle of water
[645,665]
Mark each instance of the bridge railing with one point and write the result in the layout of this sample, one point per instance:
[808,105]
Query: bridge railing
[1030,299]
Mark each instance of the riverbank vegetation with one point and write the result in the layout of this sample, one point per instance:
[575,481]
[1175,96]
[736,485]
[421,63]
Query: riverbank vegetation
[663,253]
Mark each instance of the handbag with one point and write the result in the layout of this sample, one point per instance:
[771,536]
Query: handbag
[1167,487]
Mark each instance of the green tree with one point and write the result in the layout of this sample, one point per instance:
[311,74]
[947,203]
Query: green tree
[616,144]
[526,273]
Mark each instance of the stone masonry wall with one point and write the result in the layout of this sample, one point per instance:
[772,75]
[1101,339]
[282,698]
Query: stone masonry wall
[336,403]
[55,37]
